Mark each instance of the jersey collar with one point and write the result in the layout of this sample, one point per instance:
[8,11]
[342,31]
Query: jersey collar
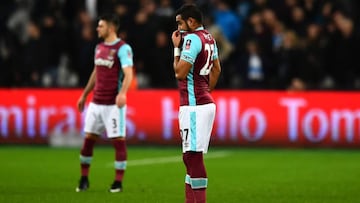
[199,28]
[113,42]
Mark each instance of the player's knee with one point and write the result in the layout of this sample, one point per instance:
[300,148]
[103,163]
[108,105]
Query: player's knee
[196,163]
[91,136]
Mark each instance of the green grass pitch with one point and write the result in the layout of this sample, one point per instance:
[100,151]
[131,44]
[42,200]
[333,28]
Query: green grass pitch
[156,175]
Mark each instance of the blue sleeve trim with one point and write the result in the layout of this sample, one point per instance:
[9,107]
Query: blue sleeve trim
[125,55]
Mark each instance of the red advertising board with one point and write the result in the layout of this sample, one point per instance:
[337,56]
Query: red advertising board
[243,118]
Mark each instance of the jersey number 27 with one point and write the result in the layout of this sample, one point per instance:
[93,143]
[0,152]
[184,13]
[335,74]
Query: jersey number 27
[209,49]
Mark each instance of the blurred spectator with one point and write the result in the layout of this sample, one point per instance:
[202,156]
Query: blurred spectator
[276,29]
[85,51]
[284,9]
[325,12]
[289,61]
[298,21]
[343,52]
[311,8]
[296,85]
[293,44]
[7,8]
[225,49]
[313,72]
[253,67]
[165,9]
[53,32]
[161,74]
[35,57]
[18,20]
[277,36]
[257,30]
[227,20]
[6,72]
[140,38]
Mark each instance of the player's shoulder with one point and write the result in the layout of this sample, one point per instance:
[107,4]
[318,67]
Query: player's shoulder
[206,35]
[192,38]
[124,44]
[191,35]
[125,50]
[200,35]
[125,47]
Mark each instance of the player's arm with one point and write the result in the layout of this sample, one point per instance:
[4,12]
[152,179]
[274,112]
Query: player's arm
[128,76]
[181,68]
[121,96]
[214,74]
[88,88]
[183,62]
[126,58]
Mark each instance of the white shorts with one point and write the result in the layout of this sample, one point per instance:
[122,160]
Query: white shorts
[196,123]
[105,117]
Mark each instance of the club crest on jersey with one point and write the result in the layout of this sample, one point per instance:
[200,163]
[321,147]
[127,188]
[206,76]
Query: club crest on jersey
[187,44]
[111,54]
[207,36]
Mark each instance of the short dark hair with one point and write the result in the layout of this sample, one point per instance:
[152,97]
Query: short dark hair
[112,19]
[190,10]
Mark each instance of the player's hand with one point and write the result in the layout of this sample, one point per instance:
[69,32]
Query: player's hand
[81,104]
[176,38]
[120,100]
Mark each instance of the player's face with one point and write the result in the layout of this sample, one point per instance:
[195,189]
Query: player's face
[102,29]
[182,25]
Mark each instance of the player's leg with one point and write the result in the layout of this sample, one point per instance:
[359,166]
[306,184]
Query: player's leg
[93,128]
[184,125]
[198,177]
[200,126]
[189,193]
[116,128]
[119,164]
[86,154]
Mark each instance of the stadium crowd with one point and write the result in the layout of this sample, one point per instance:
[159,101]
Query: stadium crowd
[264,44]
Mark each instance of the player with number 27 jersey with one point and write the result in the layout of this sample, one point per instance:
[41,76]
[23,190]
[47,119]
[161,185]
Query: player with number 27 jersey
[197,69]
[199,49]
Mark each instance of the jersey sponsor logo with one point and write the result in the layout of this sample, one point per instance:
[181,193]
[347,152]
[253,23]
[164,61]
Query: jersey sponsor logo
[187,44]
[104,62]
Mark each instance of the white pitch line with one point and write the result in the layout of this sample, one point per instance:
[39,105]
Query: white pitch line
[159,160]
[170,159]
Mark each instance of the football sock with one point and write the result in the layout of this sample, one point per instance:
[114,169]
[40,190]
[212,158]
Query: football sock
[200,195]
[189,194]
[198,176]
[120,158]
[86,155]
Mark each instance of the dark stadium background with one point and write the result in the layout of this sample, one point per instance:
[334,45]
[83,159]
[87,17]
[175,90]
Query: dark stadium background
[287,125]
[299,44]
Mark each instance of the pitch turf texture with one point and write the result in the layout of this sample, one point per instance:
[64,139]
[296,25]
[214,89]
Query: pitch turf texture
[156,174]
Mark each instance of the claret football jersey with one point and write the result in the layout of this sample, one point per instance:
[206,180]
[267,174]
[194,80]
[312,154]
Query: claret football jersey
[199,49]
[109,60]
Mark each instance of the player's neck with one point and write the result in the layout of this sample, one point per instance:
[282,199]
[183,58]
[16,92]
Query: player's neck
[110,38]
[197,27]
